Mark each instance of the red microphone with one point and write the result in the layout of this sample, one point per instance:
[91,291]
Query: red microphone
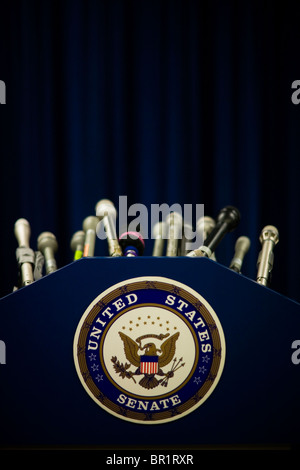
[132,244]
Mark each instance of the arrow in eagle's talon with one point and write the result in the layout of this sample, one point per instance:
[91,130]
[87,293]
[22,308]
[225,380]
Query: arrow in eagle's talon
[177,365]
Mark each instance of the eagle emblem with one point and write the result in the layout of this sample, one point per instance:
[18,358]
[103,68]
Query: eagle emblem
[151,360]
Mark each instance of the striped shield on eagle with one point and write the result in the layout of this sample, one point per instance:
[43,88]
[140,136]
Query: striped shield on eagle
[150,363]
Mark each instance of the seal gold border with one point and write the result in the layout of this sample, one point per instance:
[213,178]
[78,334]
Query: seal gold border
[135,284]
[157,397]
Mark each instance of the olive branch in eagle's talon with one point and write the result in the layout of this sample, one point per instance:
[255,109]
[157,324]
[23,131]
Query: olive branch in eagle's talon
[121,369]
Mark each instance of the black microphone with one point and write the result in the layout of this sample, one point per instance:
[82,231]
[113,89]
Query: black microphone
[132,244]
[227,220]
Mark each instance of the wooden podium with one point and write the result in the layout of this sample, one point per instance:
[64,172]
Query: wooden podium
[43,403]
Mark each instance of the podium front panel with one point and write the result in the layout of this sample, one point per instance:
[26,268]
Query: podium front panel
[44,403]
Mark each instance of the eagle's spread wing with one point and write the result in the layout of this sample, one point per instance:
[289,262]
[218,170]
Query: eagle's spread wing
[168,350]
[131,349]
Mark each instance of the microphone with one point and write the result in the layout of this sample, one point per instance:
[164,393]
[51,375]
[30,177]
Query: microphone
[106,211]
[39,261]
[205,225]
[269,237]
[47,244]
[132,244]
[77,244]
[24,254]
[174,221]
[89,226]
[159,233]
[186,235]
[242,246]
[227,220]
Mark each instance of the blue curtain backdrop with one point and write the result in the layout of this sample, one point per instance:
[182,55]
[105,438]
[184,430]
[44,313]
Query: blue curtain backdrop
[184,102]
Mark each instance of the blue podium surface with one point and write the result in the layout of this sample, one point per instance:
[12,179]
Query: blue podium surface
[43,403]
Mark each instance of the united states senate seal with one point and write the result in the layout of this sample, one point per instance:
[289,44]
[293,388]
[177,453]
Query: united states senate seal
[149,350]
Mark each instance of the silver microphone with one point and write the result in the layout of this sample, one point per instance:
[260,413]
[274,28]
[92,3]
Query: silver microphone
[25,255]
[159,233]
[106,211]
[174,223]
[47,244]
[269,237]
[204,226]
[77,244]
[242,246]
[186,235]
[89,227]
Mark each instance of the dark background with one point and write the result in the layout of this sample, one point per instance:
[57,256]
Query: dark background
[184,102]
